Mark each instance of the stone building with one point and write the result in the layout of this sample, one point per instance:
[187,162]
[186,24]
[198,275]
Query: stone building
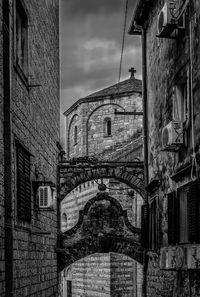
[171,75]
[29,135]
[105,125]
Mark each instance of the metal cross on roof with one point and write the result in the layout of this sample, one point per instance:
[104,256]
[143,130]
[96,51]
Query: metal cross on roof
[132,70]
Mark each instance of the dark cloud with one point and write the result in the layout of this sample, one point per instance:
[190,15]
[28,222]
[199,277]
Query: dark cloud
[80,8]
[91,38]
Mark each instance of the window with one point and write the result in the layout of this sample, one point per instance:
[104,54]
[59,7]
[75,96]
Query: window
[107,127]
[75,135]
[21,39]
[23,184]
[154,223]
[69,288]
[183,214]
[181,99]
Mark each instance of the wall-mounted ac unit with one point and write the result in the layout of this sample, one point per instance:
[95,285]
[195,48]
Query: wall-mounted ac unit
[164,258]
[181,257]
[165,22]
[47,196]
[167,258]
[172,136]
[193,256]
[173,258]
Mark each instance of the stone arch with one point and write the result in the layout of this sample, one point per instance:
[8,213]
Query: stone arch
[131,173]
[113,233]
[68,132]
[89,116]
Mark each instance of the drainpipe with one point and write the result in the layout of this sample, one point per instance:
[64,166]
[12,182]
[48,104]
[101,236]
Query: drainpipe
[145,106]
[145,135]
[7,151]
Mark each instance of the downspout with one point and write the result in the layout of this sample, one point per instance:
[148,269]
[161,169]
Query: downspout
[7,151]
[145,136]
[145,106]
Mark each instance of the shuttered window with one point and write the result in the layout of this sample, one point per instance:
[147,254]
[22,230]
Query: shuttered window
[23,184]
[184,214]
[173,218]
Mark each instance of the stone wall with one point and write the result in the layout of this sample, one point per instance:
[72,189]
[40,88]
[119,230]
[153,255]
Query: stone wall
[2,214]
[103,275]
[89,117]
[168,65]
[35,113]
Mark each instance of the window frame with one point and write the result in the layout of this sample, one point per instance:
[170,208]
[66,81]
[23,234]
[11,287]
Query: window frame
[191,190]
[75,135]
[181,97]
[20,12]
[107,127]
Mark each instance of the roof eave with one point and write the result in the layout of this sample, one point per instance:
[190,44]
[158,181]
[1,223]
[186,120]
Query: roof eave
[140,16]
[96,98]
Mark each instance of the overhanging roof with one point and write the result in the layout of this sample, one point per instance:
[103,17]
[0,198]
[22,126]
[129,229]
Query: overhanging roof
[143,7]
[128,86]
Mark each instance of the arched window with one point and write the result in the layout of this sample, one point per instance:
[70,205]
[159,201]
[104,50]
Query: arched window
[107,127]
[75,135]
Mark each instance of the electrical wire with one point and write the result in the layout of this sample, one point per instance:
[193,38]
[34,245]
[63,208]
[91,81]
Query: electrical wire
[123,41]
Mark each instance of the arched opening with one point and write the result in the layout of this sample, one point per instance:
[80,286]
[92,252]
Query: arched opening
[107,127]
[103,274]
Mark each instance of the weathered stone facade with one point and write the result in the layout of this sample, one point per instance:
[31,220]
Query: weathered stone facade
[171,78]
[88,116]
[30,110]
[88,133]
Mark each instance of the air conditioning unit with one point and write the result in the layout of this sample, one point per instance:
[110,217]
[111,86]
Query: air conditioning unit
[181,257]
[172,136]
[47,196]
[165,23]
[164,258]
[193,256]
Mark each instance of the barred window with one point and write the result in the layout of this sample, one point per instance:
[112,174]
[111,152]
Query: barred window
[23,184]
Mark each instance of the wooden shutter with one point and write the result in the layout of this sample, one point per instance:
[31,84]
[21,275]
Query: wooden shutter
[145,225]
[173,218]
[23,184]
[194,212]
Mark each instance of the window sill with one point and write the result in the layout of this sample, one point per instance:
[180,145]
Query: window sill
[107,136]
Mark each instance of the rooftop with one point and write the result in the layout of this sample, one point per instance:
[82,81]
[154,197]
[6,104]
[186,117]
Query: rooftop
[128,86]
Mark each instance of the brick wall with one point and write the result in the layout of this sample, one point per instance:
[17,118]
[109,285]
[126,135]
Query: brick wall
[35,124]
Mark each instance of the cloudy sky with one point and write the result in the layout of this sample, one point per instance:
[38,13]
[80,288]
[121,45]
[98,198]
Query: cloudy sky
[91,40]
